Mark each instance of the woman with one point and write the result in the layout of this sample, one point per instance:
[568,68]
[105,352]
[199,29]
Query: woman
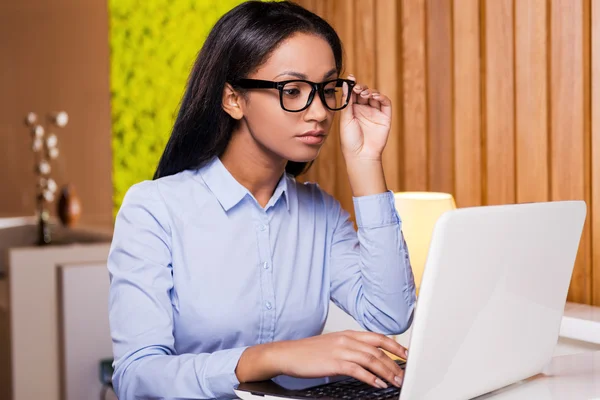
[222,267]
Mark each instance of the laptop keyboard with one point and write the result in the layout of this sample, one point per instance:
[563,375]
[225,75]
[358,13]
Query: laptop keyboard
[353,389]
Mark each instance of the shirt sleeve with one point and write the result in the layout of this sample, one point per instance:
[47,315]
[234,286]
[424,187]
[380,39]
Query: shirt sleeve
[370,272]
[141,312]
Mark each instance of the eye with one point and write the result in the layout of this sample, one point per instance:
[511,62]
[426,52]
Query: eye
[330,92]
[291,92]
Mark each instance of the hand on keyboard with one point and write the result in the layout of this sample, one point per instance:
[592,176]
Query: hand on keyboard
[361,355]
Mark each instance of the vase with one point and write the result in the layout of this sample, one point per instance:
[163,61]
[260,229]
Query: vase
[69,206]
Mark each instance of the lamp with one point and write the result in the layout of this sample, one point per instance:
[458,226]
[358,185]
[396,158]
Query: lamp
[419,212]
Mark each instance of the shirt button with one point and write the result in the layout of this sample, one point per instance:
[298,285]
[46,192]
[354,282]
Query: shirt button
[266,265]
[268,305]
[262,227]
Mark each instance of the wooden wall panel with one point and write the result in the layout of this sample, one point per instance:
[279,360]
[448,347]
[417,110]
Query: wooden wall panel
[467,103]
[499,102]
[495,101]
[566,123]
[531,73]
[414,103]
[366,64]
[594,205]
[324,169]
[388,81]
[343,20]
[439,96]
[587,249]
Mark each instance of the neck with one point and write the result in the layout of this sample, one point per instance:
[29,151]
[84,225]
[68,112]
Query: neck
[253,166]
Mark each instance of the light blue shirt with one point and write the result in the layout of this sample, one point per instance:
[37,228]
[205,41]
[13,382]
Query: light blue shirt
[200,271]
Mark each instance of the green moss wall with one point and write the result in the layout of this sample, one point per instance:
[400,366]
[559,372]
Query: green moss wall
[153,47]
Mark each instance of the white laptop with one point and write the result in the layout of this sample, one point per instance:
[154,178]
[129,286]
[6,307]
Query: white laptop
[489,308]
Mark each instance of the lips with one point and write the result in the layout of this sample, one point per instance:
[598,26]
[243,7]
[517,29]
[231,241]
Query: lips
[313,133]
[312,137]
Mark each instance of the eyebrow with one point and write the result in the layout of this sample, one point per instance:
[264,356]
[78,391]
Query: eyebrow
[300,75]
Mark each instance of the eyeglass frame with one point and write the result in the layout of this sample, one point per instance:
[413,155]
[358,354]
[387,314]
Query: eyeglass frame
[247,83]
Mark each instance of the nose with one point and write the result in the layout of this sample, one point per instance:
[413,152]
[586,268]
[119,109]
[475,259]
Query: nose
[317,110]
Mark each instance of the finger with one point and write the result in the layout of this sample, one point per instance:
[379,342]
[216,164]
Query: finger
[362,96]
[386,104]
[384,356]
[382,341]
[354,370]
[375,365]
[365,96]
[377,361]
[373,102]
[359,88]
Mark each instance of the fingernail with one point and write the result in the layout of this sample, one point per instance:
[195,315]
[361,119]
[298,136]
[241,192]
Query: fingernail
[398,380]
[380,383]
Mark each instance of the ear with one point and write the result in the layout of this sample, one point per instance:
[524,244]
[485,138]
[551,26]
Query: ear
[232,102]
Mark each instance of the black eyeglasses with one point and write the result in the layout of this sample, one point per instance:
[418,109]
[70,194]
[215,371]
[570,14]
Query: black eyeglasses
[297,95]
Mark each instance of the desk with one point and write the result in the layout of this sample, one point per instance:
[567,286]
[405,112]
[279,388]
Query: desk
[571,377]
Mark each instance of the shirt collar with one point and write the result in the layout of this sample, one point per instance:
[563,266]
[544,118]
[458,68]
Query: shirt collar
[282,189]
[229,192]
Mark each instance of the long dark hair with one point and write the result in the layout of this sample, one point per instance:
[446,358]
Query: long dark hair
[236,46]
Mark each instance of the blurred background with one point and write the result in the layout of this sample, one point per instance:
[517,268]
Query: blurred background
[495,102]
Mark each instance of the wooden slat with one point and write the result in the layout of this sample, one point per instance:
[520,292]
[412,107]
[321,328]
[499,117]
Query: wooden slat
[587,140]
[467,103]
[308,4]
[499,102]
[594,205]
[364,19]
[388,45]
[342,19]
[531,74]
[414,132]
[326,163]
[586,250]
[320,8]
[567,127]
[329,169]
[439,96]
[364,25]
[313,173]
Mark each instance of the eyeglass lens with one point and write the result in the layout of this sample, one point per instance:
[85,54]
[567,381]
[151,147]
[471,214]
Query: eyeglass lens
[295,95]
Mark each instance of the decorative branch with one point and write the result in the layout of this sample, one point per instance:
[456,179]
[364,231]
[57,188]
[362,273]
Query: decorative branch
[45,148]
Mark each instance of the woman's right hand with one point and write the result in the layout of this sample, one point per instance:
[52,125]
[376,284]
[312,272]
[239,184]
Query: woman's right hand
[356,354]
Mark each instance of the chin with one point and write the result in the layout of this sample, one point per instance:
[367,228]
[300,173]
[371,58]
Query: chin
[306,155]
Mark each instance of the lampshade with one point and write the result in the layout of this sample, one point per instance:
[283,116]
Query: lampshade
[419,212]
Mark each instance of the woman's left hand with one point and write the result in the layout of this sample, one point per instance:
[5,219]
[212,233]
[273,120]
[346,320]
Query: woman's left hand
[365,123]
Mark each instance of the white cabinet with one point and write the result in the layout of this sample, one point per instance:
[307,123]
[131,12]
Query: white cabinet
[85,339]
[30,351]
